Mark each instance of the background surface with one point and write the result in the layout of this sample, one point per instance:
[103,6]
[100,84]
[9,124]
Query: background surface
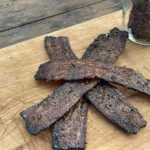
[24,19]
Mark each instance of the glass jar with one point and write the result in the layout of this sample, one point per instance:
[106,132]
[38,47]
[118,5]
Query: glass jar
[136,20]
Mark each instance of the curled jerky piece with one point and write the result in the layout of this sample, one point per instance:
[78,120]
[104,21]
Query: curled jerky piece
[78,69]
[70,129]
[110,101]
[42,115]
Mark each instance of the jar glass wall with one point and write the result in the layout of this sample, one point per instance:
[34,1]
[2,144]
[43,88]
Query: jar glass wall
[136,20]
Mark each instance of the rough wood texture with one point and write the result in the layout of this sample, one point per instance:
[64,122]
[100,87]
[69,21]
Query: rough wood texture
[47,16]
[15,13]
[18,90]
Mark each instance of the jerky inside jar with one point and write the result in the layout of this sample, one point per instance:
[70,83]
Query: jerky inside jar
[136,20]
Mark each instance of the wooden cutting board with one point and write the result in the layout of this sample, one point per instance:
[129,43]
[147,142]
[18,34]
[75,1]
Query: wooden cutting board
[19,90]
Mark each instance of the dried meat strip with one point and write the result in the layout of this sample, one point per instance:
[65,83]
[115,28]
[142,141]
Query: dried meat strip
[42,115]
[115,34]
[69,132]
[110,101]
[79,69]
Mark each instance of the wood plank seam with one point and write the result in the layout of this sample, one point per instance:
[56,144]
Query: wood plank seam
[84,6]
[48,25]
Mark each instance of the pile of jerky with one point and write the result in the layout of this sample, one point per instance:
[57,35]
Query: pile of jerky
[88,81]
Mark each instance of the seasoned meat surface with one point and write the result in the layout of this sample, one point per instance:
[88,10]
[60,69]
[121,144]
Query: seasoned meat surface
[93,51]
[111,102]
[107,48]
[79,69]
[58,48]
[61,135]
[69,131]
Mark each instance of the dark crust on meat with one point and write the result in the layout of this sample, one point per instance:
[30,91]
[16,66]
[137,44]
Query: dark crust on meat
[79,69]
[58,48]
[62,135]
[42,115]
[31,109]
[110,101]
[70,129]
[139,19]
[107,48]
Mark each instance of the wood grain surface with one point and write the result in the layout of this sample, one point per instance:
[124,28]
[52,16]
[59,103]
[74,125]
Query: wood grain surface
[25,19]
[16,13]
[19,90]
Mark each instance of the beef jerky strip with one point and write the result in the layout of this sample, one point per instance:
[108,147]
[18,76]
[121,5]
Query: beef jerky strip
[78,69]
[115,35]
[42,115]
[110,101]
[69,131]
